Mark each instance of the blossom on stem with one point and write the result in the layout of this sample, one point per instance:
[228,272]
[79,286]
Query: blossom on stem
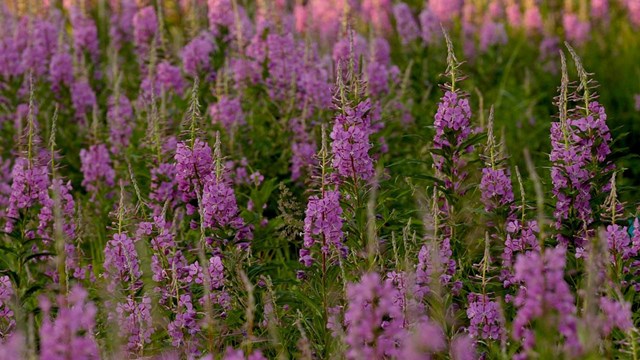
[350,143]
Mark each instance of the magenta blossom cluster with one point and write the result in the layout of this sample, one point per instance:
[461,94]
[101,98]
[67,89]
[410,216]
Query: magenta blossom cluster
[145,28]
[220,209]
[443,268]
[496,190]
[485,317]
[373,319]
[7,316]
[452,127]
[407,26]
[121,264]
[135,322]
[193,165]
[96,168]
[544,296]
[303,149]
[579,150]
[120,117]
[617,314]
[521,238]
[196,55]
[71,334]
[228,113]
[323,225]
[350,143]
[28,190]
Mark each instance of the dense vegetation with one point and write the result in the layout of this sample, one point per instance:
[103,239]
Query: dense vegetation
[374,179]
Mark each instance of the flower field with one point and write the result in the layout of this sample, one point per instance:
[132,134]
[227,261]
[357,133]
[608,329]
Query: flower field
[319,179]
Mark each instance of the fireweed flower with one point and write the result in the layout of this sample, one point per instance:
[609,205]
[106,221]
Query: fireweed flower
[285,63]
[145,27]
[96,168]
[85,33]
[193,165]
[163,187]
[373,320]
[463,348]
[491,33]
[5,186]
[350,143]
[633,7]
[426,269]
[41,44]
[71,334]
[619,243]
[134,319]
[532,21]
[377,12]
[617,314]
[66,204]
[323,225]
[514,14]
[406,24]
[430,26]
[485,318]
[520,239]
[445,10]
[7,317]
[453,126]
[168,77]
[10,64]
[219,206]
[196,55]
[83,98]
[121,263]
[575,30]
[426,338]
[496,190]
[61,70]
[120,116]
[185,326]
[121,22]
[303,149]
[228,113]
[544,293]
[600,9]
[29,189]
[350,48]
[222,15]
[577,146]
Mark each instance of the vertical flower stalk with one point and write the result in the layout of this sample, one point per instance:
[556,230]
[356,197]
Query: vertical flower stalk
[452,125]
[350,143]
[544,300]
[72,333]
[373,319]
[580,167]
[124,277]
[96,168]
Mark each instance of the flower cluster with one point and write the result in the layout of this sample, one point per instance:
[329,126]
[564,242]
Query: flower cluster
[373,320]
[544,295]
[453,126]
[323,224]
[350,143]
[96,168]
[485,317]
[71,334]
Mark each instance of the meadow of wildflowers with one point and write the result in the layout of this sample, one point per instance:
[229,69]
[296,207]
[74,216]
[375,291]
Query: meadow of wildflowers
[319,179]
